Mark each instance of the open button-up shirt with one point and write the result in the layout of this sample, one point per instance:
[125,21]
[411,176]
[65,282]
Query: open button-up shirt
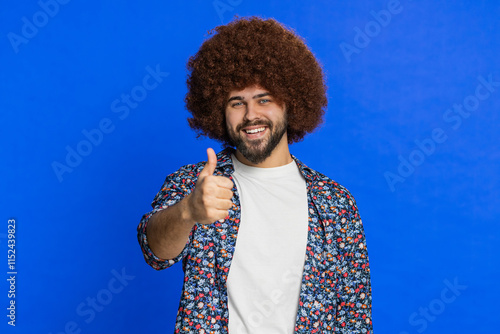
[335,295]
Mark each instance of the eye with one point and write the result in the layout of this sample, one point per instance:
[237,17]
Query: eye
[236,104]
[264,101]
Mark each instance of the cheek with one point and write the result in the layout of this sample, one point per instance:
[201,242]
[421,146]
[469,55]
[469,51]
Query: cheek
[228,122]
[232,120]
[275,116]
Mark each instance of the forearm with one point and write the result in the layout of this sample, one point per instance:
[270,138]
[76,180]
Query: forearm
[168,230]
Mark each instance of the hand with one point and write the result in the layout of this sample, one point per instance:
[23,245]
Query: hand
[211,198]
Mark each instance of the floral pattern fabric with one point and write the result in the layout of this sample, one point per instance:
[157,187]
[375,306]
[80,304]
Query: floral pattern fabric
[335,295]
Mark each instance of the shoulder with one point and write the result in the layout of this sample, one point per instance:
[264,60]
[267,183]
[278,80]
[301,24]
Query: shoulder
[192,171]
[326,183]
[326,188]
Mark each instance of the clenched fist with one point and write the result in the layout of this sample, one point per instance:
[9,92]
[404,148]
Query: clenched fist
[211,198]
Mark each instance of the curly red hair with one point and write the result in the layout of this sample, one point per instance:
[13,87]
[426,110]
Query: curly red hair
[251,51]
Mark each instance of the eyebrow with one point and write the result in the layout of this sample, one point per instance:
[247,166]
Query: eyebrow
[240,98]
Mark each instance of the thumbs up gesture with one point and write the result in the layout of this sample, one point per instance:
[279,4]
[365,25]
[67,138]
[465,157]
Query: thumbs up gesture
[211,198]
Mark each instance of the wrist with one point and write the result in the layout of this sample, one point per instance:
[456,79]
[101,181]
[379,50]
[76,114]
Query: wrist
[186,212]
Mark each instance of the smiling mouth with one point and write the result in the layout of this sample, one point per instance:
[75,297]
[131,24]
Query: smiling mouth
[257,130]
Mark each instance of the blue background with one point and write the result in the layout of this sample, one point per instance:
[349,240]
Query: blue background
[77,231]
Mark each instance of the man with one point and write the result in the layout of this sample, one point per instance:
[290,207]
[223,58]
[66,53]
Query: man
[268,244]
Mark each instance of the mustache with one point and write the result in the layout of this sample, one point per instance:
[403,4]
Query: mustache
[244,124]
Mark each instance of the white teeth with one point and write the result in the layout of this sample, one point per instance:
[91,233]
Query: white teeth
[255,130]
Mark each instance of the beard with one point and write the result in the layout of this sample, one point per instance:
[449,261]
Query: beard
[256,151]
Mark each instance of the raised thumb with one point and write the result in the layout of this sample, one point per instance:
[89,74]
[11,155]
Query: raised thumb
[211,163]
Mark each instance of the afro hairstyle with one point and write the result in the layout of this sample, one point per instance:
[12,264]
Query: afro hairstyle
[250,51]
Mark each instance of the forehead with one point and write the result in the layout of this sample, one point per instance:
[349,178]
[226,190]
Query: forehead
[249,91]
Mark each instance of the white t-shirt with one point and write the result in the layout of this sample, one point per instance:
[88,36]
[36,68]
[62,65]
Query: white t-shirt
[266,271]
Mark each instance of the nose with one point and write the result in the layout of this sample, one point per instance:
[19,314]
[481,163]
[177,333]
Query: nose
[251,112]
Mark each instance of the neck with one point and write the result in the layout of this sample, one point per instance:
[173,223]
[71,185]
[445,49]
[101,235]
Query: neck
[279,157]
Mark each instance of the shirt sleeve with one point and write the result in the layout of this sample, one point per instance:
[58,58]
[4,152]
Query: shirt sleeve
[176,186]
[354,298]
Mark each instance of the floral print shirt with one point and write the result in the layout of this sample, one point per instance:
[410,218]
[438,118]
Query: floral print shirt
[335,295]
